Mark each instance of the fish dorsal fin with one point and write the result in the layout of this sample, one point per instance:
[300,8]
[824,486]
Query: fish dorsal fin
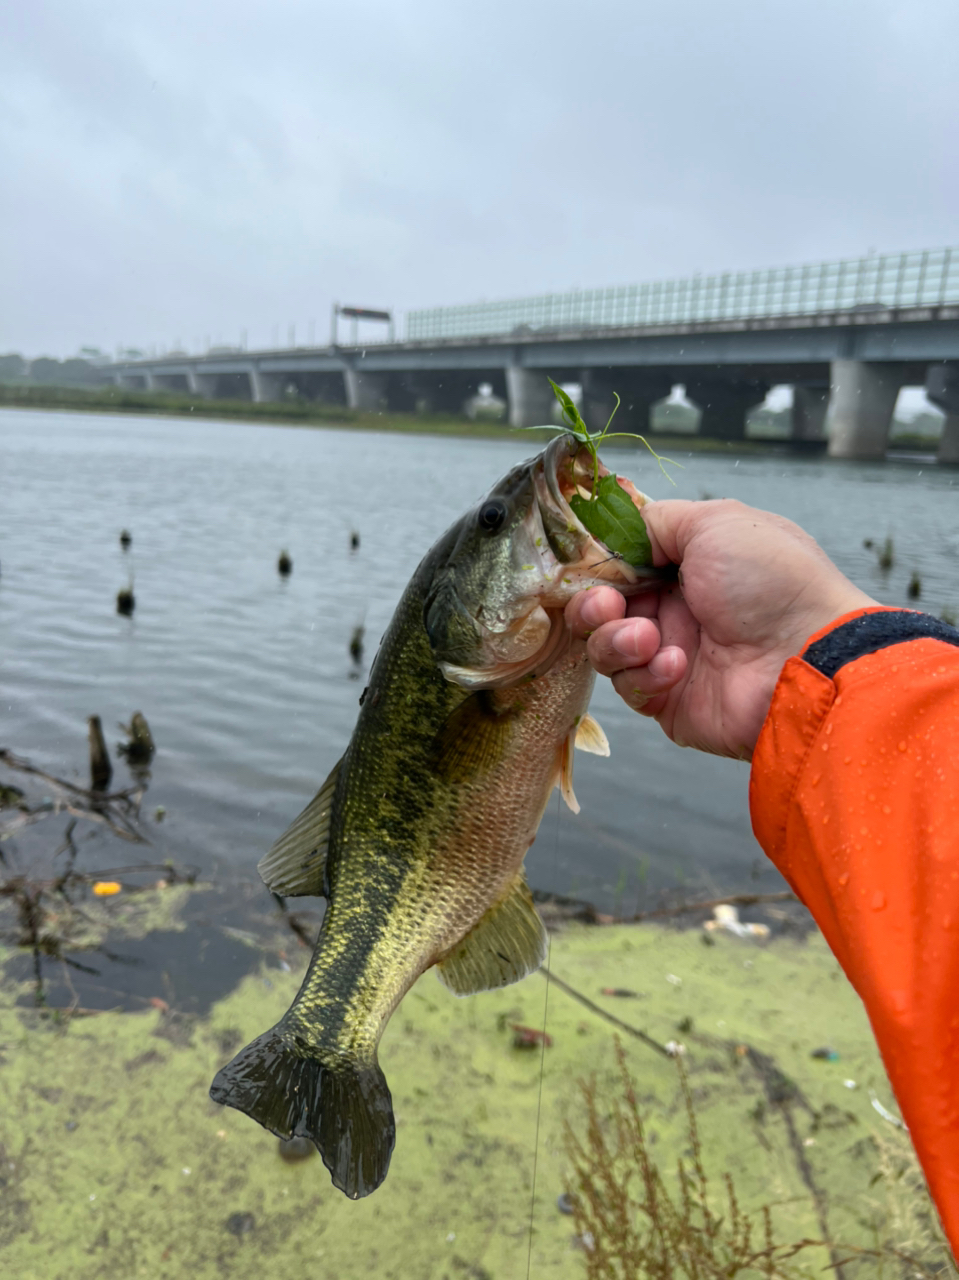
[505,944]
[565,773]
[590,736]
[296,863]
[473,738]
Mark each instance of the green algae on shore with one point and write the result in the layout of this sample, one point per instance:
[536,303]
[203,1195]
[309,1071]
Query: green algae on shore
[116,1162]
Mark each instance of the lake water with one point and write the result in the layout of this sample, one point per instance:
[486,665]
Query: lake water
[245,678]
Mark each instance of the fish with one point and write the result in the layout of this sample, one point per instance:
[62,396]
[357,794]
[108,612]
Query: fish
[476,698]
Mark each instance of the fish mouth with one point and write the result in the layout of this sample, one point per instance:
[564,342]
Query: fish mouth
[580,559]
[554,557]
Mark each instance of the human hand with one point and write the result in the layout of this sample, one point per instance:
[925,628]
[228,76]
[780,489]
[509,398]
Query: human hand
[703,657]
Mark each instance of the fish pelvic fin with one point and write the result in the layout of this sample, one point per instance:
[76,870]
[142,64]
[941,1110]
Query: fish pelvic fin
[296,864]
[343,1107]
[590,736]
[505,945]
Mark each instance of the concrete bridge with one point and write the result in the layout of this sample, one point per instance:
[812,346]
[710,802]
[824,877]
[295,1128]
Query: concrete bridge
[847,336]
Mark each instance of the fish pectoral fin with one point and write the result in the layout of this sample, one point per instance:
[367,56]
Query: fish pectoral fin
[590,736]
[295,865]
[564,773]
[473,738]
[506,944]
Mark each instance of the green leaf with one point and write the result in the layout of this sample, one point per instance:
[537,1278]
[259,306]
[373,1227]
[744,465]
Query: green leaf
[611,516]
[571,415]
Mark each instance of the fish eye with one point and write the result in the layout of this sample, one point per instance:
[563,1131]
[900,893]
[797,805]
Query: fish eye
[492,515]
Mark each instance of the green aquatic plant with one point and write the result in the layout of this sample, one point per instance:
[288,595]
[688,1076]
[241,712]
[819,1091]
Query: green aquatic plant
[608,513]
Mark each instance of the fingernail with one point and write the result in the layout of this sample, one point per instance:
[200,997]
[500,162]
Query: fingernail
[624,642]
[591,612]
[663,665]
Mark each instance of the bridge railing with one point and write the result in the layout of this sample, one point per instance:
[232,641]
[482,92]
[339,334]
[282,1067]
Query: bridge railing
[928,277]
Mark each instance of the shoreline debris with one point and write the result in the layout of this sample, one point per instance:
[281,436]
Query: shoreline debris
[726,916]
[885,1113]
[118,810]
[529,1037]
[106,888]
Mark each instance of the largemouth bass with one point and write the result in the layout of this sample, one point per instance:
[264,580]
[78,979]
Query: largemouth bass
[417,838]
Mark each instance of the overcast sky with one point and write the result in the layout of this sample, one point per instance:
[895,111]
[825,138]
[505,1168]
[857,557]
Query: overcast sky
[190,170]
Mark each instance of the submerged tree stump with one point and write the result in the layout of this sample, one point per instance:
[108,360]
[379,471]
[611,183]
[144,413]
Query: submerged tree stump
[141,747]
[101,770]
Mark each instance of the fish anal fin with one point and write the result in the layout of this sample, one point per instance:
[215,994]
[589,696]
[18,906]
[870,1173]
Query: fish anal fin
[505,945]
[296,863]
[565,780]
[473,739]
[590,736]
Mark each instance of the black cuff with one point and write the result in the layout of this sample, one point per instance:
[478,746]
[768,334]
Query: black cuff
[873,631]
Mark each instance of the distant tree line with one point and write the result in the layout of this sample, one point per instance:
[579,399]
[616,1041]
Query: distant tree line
[45,372]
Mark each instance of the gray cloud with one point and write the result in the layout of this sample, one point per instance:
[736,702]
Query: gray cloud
[189,170]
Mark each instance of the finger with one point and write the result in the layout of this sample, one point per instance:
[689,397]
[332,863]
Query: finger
[677,625]
[645,688]
[670,524]
[630,642]
[643,606]
[589,610]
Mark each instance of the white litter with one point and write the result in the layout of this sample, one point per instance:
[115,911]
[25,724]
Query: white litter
[886,1115]
[726,916]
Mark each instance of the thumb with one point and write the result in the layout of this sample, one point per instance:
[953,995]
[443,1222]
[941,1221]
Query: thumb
[671,523]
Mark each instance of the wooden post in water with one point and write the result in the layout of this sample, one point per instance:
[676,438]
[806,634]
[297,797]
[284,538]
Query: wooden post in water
[101,771]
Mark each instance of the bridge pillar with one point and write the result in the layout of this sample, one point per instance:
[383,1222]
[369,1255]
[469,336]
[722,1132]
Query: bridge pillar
[637,395]
[724,405]
[861,405]
[366,391]
[201,384]
[529,397]
[265,387]
[942,388]
[809,412]
[149,380]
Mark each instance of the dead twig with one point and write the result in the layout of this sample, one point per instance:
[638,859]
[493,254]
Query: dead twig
[118,810]
[603,1013]
[13,761]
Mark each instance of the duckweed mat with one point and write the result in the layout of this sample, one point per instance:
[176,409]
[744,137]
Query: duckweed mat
[115,1163]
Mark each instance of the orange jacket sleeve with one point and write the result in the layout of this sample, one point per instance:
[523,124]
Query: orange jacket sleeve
[854,795]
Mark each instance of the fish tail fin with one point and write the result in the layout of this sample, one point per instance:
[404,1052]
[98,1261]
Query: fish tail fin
[344,1107]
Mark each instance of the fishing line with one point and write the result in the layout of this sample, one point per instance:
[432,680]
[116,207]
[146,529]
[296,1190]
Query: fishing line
[542,1057]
